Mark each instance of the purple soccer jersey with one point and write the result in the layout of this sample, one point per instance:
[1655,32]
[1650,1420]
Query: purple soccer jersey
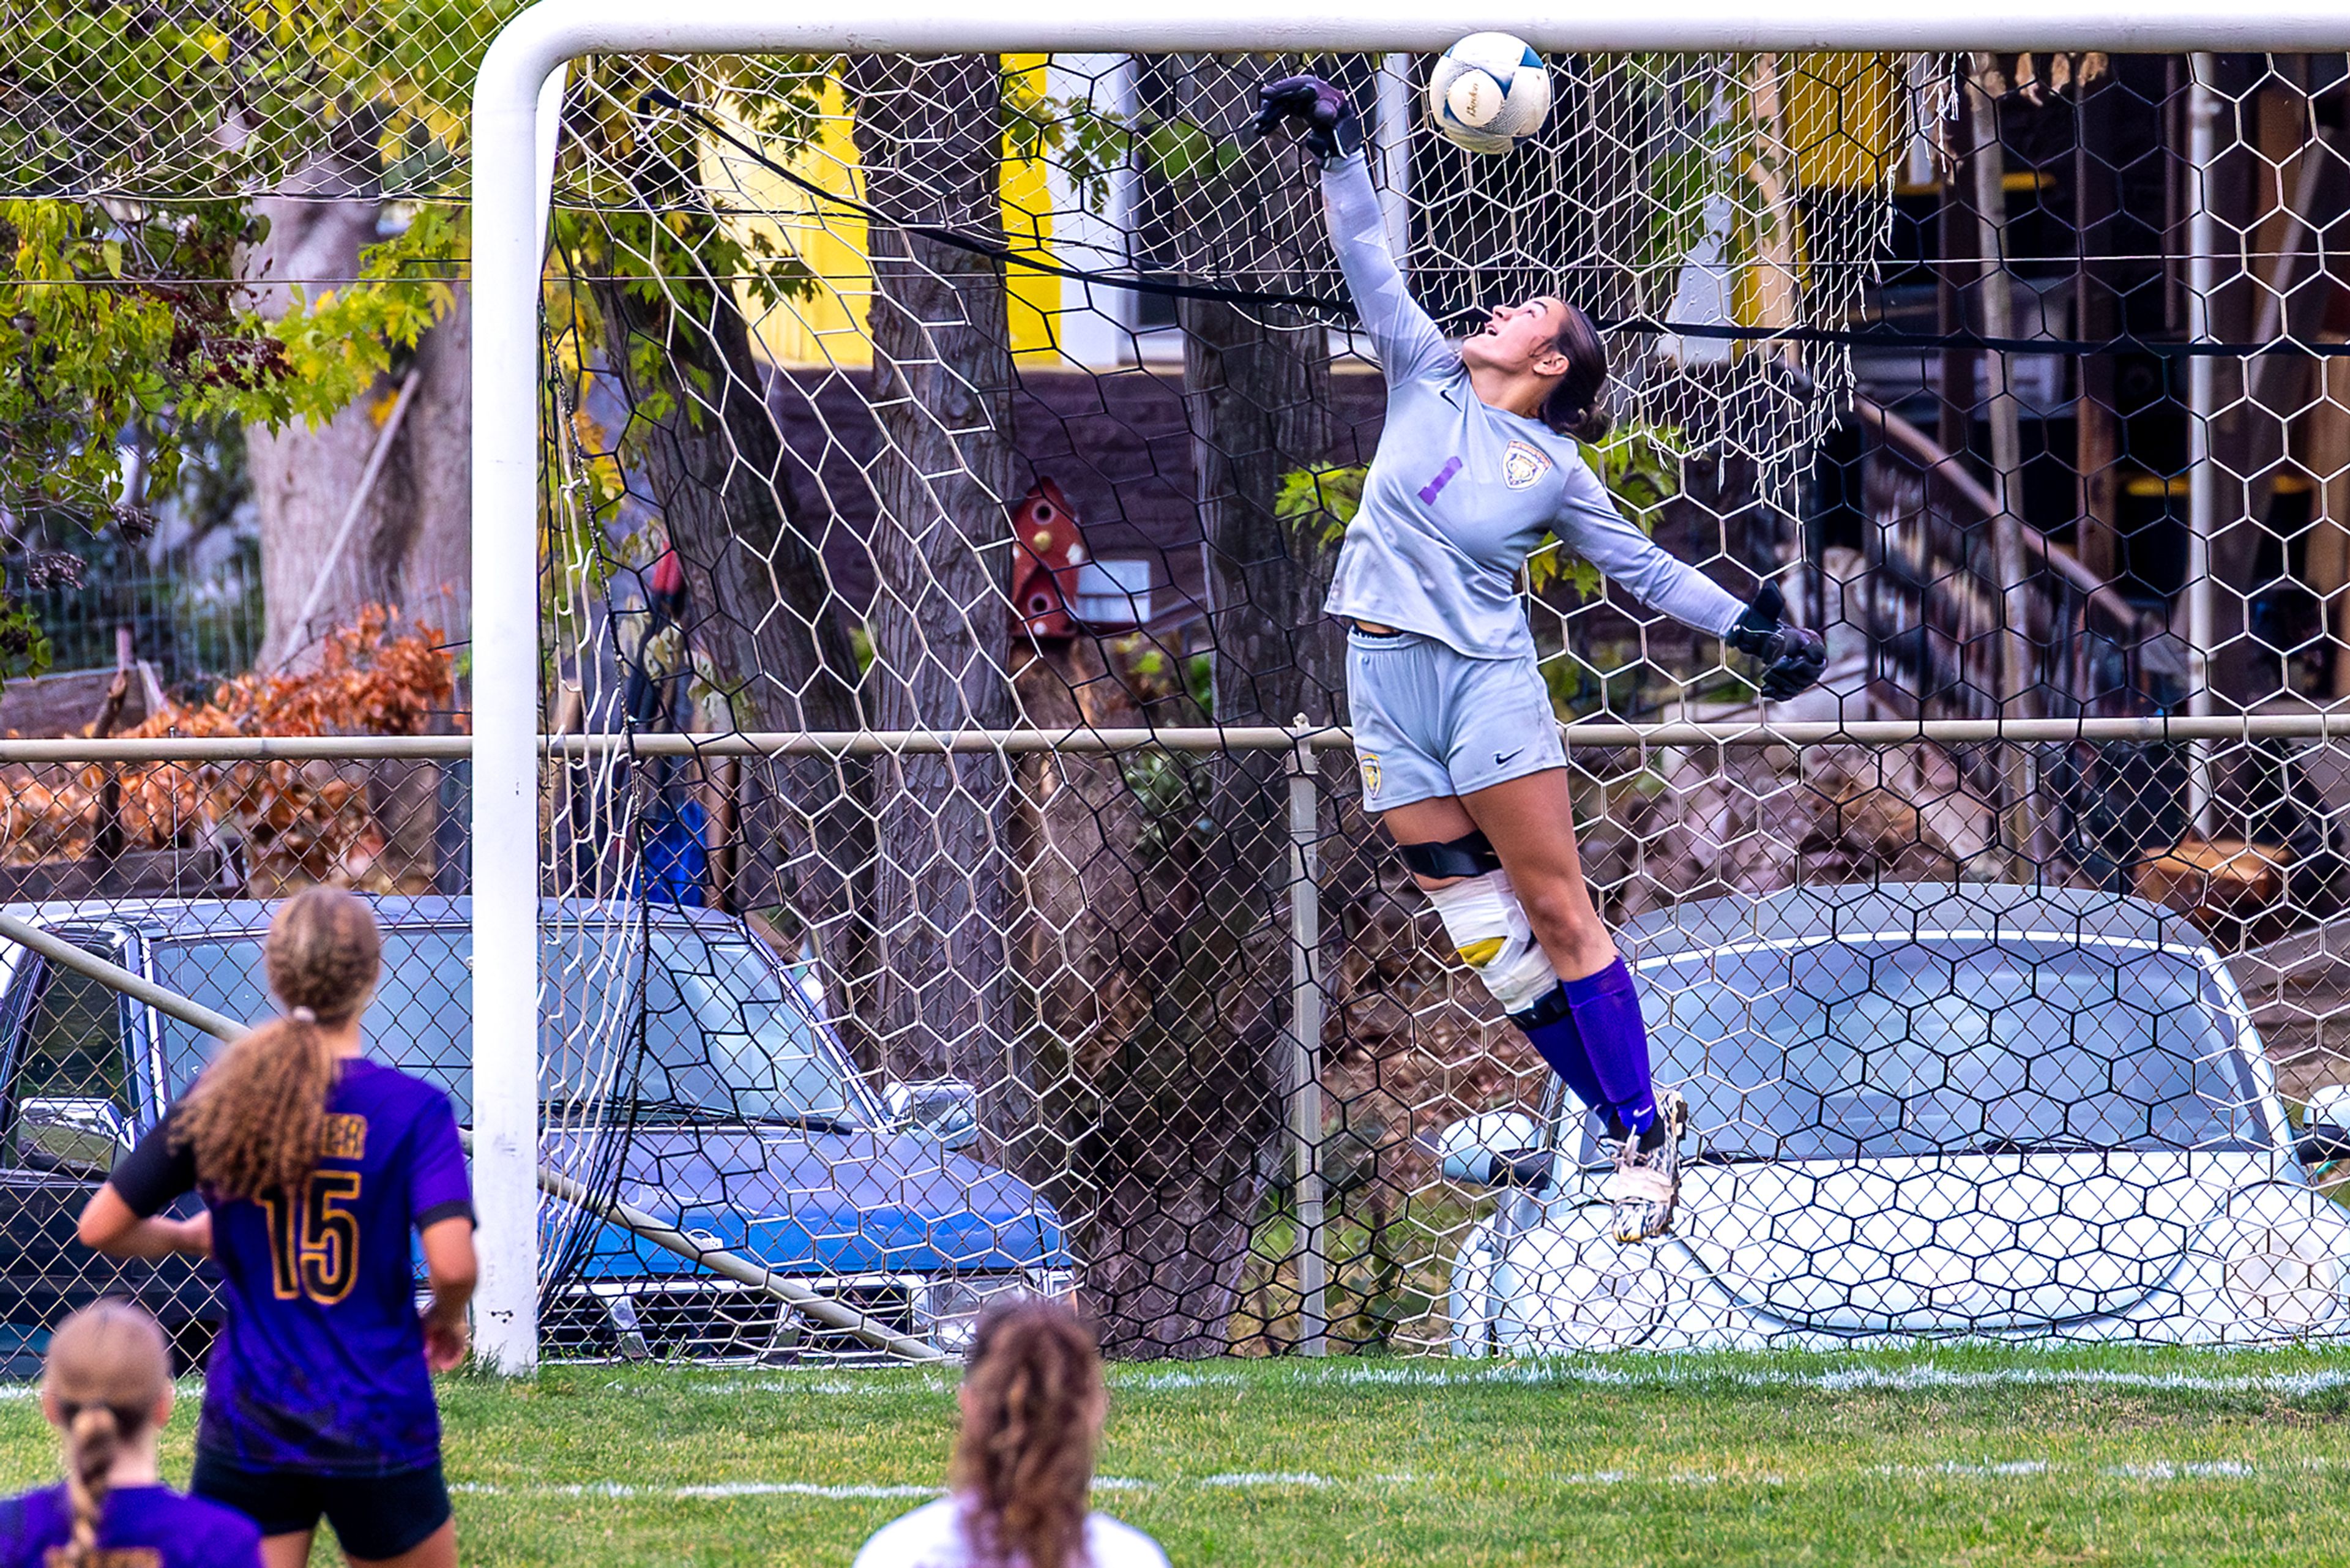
[320,1366]
[141,1527]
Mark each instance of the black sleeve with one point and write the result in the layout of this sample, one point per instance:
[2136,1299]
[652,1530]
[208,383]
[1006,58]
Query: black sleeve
[154,1173]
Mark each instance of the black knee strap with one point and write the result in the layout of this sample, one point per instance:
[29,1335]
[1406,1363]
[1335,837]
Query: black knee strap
[1549,1008]
[1468,856]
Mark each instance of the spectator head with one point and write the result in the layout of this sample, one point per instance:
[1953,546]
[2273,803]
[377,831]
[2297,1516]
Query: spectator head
[1033,1402]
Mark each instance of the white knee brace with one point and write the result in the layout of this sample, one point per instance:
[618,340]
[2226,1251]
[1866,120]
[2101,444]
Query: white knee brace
[1489,929]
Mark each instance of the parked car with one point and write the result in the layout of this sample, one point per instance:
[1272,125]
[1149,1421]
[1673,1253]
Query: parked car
[676,1044]
[1920,1110]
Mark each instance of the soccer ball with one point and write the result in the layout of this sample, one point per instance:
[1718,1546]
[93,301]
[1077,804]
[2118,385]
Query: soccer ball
[1489,93]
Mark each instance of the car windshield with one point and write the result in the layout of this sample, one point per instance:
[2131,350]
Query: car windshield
[726,1035]
[1861,1049]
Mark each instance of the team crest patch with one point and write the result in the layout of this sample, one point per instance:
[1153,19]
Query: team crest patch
[1522,465]
[1370,760]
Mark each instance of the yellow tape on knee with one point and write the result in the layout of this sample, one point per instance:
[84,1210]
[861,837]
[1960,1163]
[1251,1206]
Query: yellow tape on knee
[1477,955]
[1490,931]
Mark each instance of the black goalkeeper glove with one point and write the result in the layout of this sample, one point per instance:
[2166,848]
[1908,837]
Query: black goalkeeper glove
[1321,116]
[1792,658]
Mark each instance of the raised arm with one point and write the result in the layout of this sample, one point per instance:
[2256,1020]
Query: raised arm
[1401,334]
[1406,341]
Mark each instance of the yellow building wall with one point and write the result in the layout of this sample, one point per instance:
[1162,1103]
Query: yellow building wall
[1847,120]
[1843,117]
[828,326]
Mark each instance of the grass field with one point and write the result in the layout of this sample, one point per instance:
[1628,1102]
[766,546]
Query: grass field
[1964,1456]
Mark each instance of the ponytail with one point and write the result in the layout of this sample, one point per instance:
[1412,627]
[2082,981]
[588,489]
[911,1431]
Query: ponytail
[1024,1458]
[257,1118]
[107,1370]
[1577,406]
[93,1438]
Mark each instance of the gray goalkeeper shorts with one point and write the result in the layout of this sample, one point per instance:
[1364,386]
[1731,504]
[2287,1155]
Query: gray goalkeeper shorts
[1431,720]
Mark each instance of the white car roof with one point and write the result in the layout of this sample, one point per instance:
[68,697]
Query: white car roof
[1864,910]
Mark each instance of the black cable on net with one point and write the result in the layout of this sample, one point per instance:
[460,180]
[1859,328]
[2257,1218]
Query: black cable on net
[1868,334]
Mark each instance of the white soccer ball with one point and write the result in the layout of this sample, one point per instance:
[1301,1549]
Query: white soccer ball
[1489,93]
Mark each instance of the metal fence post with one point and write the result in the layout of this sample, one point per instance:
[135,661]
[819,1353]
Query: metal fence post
[1305,1044]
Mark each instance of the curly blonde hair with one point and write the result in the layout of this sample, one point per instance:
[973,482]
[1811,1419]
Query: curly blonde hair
[1025,1460]
[258,1116]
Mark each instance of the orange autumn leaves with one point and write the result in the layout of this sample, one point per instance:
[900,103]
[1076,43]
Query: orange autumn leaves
[287,823]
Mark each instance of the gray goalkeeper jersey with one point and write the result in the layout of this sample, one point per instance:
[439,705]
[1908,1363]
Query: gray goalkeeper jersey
[1460,493]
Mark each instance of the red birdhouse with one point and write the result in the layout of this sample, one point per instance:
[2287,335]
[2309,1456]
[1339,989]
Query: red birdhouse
[1050,552]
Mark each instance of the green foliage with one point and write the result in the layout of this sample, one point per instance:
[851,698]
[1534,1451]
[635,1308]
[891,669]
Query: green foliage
[1640,464]
[108,324]
[195,98]
[1320,501]
[134,327]
[1699,176]
[122,316]
[24,649]
[338,344]
[1171,794]
[1641,467]
[1091,144]
[647,227]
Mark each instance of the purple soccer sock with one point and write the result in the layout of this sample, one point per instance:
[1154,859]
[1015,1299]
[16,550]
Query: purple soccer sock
[1561,1047]
[1606,1010]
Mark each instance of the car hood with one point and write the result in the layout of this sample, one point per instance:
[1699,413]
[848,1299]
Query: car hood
[1981,1242]
[828,1203]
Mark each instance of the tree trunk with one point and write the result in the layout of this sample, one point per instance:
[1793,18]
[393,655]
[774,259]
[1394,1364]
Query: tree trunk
[2096,316]
[1259,401]
[2236,538]
[303,476]
[422,551]
[409,546]
[761,606]
[929,143]
[1190,1107]
[1954,272]
[2290,257]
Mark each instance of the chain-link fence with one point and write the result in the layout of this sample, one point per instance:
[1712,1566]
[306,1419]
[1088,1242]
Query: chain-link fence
[1230,1058]
[1015,400]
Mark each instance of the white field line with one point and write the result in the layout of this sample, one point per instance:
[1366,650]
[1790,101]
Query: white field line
[623,1489]
[1950,1469]
[1673,1372]
[1972,1471]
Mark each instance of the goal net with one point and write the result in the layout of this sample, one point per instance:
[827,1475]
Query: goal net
[984,414]
[982,395]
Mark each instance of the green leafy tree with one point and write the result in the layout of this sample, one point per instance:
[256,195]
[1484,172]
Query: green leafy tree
[133,138]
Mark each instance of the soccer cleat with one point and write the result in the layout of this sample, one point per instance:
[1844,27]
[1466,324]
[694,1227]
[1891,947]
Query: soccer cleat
[1647,1183]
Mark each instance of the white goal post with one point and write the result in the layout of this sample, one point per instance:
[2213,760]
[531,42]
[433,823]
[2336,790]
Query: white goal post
[508,241]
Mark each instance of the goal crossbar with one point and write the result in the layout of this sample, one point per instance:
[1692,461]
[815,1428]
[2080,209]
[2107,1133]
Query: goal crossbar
[507,249]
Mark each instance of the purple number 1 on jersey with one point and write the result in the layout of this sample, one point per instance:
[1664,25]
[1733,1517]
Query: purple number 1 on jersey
[1427,493]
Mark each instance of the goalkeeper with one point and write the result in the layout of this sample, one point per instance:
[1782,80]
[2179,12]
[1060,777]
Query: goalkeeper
[1459,747]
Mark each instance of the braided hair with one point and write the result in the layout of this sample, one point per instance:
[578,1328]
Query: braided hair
[1034,1399]
[257,1118]
[107,1370]
[1577,406]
